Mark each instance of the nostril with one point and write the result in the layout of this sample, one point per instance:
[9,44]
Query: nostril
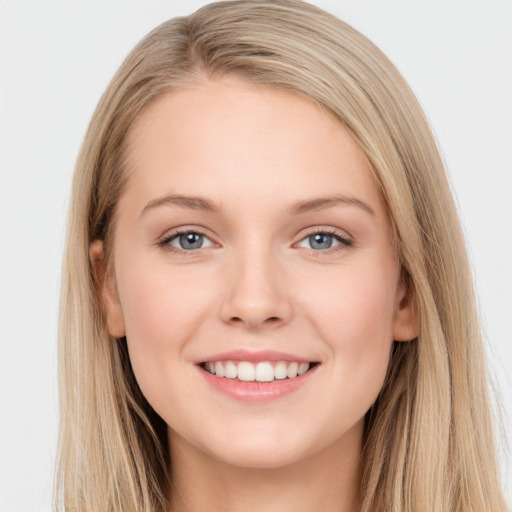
[272,319]
[254,321]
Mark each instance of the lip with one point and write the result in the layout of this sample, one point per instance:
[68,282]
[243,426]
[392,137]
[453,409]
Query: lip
[255,392]
[253,356]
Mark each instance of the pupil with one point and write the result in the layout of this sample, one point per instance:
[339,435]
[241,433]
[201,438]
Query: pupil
[321,241]
[191,241]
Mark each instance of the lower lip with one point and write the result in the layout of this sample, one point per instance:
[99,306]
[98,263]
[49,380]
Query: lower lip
[256,391]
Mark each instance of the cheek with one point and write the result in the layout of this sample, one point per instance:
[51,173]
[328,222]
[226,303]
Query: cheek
[355,320]
[352,307]
[162,312]
[161,302]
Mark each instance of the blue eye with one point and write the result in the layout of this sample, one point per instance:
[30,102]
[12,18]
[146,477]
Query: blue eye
[187,241]
[322,241]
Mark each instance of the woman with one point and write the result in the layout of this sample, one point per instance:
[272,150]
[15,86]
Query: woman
[266,300]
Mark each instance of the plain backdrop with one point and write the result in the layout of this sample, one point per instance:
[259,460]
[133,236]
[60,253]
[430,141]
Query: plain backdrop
[56,59]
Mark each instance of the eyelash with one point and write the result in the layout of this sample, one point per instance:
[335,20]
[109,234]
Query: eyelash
[345,242]
[165,242]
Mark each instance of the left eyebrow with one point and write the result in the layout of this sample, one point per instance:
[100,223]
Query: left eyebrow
[321,203]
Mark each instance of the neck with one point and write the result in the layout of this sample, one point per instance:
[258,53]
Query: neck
[328,480]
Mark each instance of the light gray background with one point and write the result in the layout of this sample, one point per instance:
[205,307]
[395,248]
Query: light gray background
[56,58]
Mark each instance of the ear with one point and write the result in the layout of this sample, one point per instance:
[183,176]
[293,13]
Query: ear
[405,324]
[107,290]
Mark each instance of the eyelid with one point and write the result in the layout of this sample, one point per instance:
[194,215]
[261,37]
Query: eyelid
[344,239]
[169,235]
[177,236]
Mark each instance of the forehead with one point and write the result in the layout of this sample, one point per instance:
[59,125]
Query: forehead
[227,138]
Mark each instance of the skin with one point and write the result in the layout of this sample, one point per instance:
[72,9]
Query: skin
[256,283]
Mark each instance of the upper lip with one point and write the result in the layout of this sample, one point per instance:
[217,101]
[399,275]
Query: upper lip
[254,356]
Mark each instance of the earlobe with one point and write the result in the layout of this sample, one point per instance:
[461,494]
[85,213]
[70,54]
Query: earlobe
[405,326]
[107,290]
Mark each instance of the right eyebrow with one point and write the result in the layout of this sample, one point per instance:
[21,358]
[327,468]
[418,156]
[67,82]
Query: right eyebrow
[191,202]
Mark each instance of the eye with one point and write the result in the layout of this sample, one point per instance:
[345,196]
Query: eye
[186,241]
[323,241]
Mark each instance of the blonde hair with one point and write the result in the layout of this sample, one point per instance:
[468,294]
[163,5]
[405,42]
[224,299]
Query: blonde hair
[428,443]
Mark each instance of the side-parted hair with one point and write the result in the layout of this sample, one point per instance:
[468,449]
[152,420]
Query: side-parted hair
[428,440]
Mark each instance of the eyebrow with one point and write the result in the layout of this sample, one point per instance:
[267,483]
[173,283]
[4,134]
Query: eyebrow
[321,203]
[298,208]
[191,202]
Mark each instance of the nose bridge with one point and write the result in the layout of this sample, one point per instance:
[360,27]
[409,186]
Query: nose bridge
[256,294]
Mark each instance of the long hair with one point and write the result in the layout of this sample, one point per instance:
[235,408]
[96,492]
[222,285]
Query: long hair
[428,440]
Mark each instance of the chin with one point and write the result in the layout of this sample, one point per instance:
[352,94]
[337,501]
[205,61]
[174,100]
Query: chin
[260,457]
[264,449]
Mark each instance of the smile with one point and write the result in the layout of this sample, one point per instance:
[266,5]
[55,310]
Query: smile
[256,376]
[263,371]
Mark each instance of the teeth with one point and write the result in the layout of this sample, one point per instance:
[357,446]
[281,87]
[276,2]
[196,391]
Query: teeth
[303,368]
[280,371]
[245,371]
[219,369]
[231,370]
[291,372]
[264,371]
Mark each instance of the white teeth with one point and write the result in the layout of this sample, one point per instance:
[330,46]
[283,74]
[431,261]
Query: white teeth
[280,370]
[264,371]
[219,369]
[245,371]
[303,368]
[291,372]
[231,370]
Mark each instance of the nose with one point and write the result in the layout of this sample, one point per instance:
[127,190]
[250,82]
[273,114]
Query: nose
[256,294]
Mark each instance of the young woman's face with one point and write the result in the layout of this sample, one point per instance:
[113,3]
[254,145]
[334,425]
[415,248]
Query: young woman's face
[251,238]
